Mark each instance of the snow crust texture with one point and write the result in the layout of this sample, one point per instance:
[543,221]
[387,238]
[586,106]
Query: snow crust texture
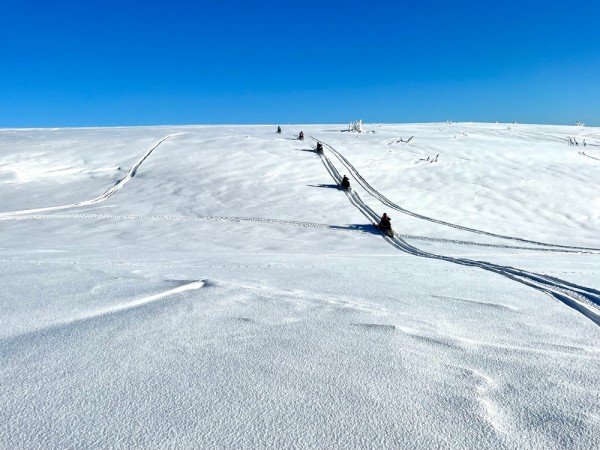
[213,287]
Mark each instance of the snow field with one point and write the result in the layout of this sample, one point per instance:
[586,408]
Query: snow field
[228,295]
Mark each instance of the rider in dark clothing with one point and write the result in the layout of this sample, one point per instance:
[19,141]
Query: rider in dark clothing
[301,136]
[385,223]
[278,130]
[319,147]
[345,182]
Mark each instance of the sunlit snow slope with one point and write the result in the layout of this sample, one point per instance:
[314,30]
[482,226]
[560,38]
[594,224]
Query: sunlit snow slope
[211,287]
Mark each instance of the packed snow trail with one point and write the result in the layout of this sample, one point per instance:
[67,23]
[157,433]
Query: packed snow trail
[365,185]
[102,197]
[583,299]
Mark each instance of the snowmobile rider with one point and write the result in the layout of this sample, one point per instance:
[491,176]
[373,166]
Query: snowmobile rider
[345,183]
[319,147]
[301,136]
[278,130]
[385,223]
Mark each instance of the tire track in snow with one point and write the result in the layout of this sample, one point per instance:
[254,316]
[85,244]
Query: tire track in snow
[267,221]
[583,299]
[373,192]
[102,197]
[181,219]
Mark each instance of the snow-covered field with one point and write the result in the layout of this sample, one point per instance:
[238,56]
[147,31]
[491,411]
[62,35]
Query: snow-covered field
[211,287]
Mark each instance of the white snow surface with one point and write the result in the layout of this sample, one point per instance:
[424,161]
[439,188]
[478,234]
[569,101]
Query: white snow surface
[211,287]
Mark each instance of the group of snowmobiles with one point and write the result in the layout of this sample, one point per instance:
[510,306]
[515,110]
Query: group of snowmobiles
[300,136]
[385,223]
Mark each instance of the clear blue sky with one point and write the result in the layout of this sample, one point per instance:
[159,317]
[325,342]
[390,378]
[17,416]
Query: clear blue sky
[109,62]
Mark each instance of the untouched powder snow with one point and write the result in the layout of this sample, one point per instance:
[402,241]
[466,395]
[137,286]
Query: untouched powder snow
[212,287]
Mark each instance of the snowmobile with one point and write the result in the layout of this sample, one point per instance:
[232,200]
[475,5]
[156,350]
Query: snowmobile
[301,136]
[319,148]
[345,183]
[385,226]
[387,231]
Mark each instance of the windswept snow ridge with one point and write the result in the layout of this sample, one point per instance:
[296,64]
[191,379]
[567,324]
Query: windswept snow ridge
[123,307]
[192,286]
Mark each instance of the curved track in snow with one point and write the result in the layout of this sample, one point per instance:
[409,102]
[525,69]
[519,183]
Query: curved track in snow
[372,191]
[583,299]
[102,197]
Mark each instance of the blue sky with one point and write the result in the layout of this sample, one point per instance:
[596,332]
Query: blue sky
[106,63]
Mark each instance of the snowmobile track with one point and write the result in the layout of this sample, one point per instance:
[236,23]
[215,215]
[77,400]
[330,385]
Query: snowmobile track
[588,156]
[583,299]
[292,223]
[102,197]
[372,191]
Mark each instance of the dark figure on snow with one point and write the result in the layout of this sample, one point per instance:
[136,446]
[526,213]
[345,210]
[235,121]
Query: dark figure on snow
[385,223]
[319,147]
[278,130]
[345,183]
[301,136]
